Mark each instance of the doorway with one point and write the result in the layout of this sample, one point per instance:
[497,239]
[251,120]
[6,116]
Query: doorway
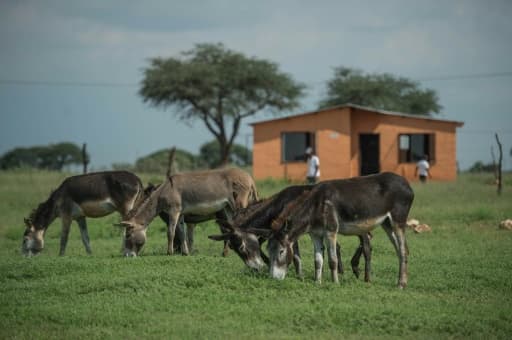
[369,151]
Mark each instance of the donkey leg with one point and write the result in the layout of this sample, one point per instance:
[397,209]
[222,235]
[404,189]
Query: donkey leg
[397,237]
[82,225]
[297,262]
[319,259]
[367,251]
[402,254]
[332,256]
[171,230]
[181,235]
[354,262]
[66,224]
[341,270]
[226,215]
[190,237]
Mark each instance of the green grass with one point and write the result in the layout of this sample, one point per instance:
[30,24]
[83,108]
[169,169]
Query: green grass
[459,278]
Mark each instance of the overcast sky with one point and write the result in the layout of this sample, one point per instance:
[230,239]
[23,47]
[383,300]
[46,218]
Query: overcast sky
[56,55]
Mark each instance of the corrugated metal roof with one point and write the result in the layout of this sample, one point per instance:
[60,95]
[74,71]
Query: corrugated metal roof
[360,107]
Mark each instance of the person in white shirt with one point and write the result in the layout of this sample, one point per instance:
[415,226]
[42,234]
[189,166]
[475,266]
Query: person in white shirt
[313,173]
[422,168]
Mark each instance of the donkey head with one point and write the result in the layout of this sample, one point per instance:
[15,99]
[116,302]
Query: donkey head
[134,237]
[280,252]
[244,242]
[33,239]
[280,244]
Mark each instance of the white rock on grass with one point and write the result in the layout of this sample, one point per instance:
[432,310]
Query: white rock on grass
[506,224]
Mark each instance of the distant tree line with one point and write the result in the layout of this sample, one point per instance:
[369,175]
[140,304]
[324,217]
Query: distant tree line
[57,156]
[48,157]
[208,158]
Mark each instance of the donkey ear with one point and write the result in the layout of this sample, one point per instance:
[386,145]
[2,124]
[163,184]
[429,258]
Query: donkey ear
[224,224]
[222,237]
[122,225]
[266,233]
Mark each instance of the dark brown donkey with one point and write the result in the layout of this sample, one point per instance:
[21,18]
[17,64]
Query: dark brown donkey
[192,196]
[252,226]
[91,195]
[350,207]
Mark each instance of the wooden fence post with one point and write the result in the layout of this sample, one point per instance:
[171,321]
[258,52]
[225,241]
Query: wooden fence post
[500,159]
[85,158]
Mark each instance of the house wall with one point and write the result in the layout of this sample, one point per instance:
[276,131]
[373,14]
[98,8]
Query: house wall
[332,141]
[337,144]
[444,166]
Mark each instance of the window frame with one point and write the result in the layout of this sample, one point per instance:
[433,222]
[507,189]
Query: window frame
[405,156]
[312,144]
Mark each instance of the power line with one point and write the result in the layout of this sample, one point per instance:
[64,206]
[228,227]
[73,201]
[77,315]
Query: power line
[312,83]
[63,83]
[443,78]
[467,76]
[484,131]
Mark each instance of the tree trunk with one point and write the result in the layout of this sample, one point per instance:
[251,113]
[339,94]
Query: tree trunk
[225,148]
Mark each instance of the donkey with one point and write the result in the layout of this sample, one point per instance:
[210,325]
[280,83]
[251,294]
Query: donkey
[190,196]
[91,195]
[252,226]
[350,207]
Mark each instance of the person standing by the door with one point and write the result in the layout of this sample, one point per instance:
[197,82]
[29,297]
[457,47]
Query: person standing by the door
[423,169]
[313,173]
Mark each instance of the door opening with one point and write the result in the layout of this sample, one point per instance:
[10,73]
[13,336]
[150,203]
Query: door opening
[369,151]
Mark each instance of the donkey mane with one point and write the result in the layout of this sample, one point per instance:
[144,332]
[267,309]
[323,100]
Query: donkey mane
[279,222]
[253,208]
[149,197]
[142,199]
[41,216]
[261,214]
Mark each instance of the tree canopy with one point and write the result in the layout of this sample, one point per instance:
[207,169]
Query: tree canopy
[381,91]
[50,157]
[208,157]
[220,87]
[157,161]
[209,154]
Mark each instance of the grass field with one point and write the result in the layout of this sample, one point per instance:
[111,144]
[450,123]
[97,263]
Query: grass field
[460,278]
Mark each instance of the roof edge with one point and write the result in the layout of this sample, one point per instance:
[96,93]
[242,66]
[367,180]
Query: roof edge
[360,107]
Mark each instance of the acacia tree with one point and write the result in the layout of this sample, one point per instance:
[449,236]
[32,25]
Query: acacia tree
[219,87]
[381,91]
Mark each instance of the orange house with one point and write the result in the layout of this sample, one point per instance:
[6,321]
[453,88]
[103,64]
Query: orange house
[353,140]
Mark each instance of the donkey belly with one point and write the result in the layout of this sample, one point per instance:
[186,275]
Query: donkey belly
[363,226]
[94,208]
[204,208]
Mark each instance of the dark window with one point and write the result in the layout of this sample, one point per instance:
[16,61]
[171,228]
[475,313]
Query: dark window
[294,144]
[412,147]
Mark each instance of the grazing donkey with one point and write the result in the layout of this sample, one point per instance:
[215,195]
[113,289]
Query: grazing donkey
[190,197]
[349,207]
[91,195]
[252,226]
